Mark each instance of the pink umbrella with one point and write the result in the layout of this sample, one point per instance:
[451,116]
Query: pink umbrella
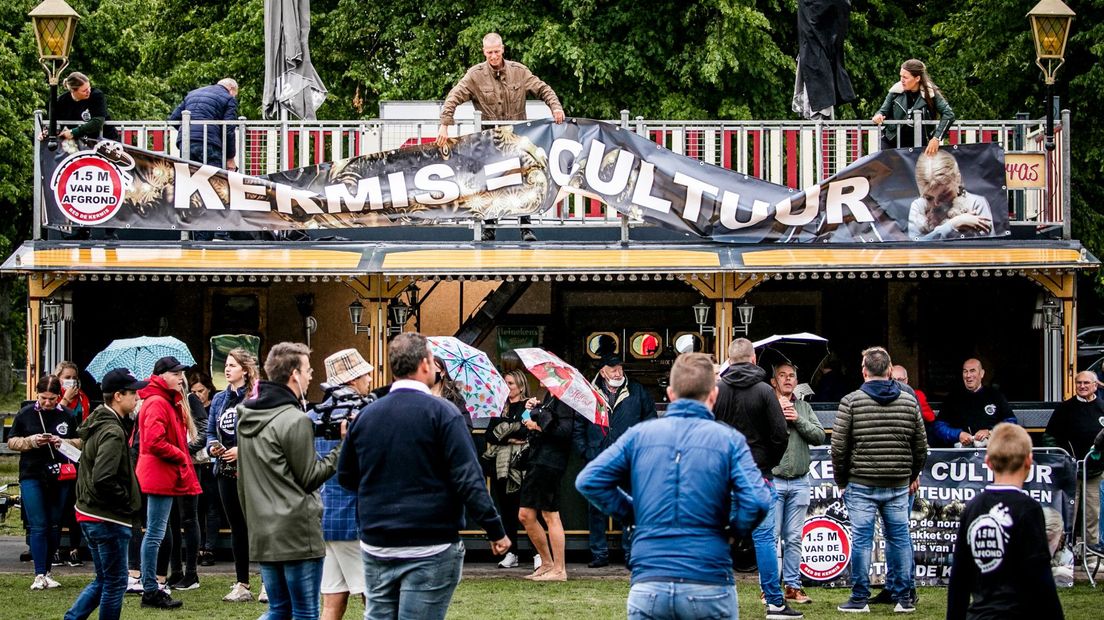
[566,383]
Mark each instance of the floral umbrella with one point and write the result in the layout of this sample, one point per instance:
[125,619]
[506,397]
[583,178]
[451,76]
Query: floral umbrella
[566,383]
[484,390]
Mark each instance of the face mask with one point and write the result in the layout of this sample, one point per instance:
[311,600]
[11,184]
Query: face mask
[615,383]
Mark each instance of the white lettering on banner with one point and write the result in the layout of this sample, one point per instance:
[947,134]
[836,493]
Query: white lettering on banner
[396,184]
[642,193]
[367,189]
[286,195]
[730,207]
[560,146]
[188,184]
[694,191]
[432,179]
[240,193]
[857,188]
[785,216]
[620,177]
[493,172]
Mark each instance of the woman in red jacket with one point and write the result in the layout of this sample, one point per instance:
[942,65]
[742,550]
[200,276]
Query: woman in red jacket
[164,467]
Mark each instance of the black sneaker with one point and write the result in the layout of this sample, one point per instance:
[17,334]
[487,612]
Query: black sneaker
[884,597]
[75,558]
[173,579]
[189,581]
[206,558]
[854,607]
[56,560]
[598,563]
[160,600]
[782,612]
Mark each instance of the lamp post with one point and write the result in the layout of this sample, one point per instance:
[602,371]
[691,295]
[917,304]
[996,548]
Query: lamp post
[54,24]
[701,317]
[744,312]
[1050,27]
[399,313]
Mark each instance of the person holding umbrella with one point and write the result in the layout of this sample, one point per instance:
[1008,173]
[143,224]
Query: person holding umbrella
[164,468]
[550,428]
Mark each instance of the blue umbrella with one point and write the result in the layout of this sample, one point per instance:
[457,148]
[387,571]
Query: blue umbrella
[138,355]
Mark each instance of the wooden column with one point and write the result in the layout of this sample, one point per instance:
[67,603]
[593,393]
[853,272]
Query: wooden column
[40,287]
[1063,286]
[725,290]
[375,292]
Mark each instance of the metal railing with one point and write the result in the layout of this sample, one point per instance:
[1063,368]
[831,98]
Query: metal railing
[796,154]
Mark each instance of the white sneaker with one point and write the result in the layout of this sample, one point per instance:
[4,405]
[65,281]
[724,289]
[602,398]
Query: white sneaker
[134,585]
[50,582]
[263,598]
[510,561]
[239,594]
[536,562]
[39,583]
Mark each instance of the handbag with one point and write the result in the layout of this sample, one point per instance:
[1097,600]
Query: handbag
[67,471]
[520,459]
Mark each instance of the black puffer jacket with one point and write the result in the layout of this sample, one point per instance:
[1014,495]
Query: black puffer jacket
[749,405]
[878,439]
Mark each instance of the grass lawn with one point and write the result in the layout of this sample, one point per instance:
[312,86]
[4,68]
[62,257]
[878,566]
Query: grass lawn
[497,598]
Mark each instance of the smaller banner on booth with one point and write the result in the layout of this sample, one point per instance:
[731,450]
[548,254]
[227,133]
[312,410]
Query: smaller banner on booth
[949,480]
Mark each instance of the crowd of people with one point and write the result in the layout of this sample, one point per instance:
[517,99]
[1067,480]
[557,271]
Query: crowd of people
[375,507]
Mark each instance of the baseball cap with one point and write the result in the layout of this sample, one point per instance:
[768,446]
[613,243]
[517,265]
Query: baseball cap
[168,364]
[120,380]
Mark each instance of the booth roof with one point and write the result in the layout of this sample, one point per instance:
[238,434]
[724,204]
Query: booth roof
[350,259]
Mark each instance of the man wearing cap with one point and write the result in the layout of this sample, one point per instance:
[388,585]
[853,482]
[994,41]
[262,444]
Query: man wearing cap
[630,404]
[108,500]
[342,568]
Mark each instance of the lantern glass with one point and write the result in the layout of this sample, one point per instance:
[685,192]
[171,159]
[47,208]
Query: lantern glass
[55,22]
[356,312]
[701,314]
[746,311]
[1050,27]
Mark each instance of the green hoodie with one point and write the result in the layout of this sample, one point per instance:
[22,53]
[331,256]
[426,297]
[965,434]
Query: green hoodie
[107,488]
[279,475]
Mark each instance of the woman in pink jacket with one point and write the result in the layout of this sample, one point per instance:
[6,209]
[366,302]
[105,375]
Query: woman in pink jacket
[164,467]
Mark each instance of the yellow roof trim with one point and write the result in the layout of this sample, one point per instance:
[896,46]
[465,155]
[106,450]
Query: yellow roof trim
[181,258]
[928,256]
[543,258]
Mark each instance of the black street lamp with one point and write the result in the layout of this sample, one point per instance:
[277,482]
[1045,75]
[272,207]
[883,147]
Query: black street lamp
[1050,27]
[54,24]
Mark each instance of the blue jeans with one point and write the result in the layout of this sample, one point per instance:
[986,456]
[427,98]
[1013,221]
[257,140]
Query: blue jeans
[864,504]
[666,600]
[293,589]
[599,546]
[43,504]
[766,551]
[793,505]
[157,518]
[412,588]
[108,543]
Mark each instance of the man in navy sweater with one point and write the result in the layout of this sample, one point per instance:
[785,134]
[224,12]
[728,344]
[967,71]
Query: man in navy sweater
[413,467]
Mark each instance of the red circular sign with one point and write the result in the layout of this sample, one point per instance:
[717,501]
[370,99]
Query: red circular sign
[825,548]
[88,189]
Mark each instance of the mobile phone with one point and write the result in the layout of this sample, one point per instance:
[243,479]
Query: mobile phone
[215,445]
[526,416]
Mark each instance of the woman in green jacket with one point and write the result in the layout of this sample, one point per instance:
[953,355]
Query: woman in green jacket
[915,91]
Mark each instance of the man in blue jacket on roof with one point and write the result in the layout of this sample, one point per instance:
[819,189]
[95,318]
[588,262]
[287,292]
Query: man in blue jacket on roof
[695,486]
[217,102]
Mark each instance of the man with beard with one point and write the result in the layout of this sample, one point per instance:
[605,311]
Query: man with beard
[746,403]
[631,404]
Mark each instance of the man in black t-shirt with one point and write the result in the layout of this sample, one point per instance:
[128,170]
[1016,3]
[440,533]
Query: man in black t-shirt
[969,413]
[1072,427]
[1001,568]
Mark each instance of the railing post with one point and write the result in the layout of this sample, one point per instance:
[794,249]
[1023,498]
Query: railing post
[477,224]
[624,119]
[819,142]
[1067,211]
[917,129]
[640,129]
[185,135]
[240,144]
[285,161]
[477,122]
[36,227]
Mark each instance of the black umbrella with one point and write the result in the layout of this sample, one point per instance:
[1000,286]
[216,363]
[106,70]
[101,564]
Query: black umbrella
[804,351]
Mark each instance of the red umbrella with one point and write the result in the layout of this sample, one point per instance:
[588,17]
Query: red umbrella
[566,383]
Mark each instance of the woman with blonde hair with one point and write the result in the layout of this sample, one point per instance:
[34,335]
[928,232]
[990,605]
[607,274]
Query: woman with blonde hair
[915,91]
[945,210]
[507,436]
[242,374]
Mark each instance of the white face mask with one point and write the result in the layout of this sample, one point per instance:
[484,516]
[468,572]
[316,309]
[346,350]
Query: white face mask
[615,383]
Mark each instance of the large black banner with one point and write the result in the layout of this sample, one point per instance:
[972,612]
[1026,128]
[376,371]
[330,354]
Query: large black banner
[524,169]
[950,478]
